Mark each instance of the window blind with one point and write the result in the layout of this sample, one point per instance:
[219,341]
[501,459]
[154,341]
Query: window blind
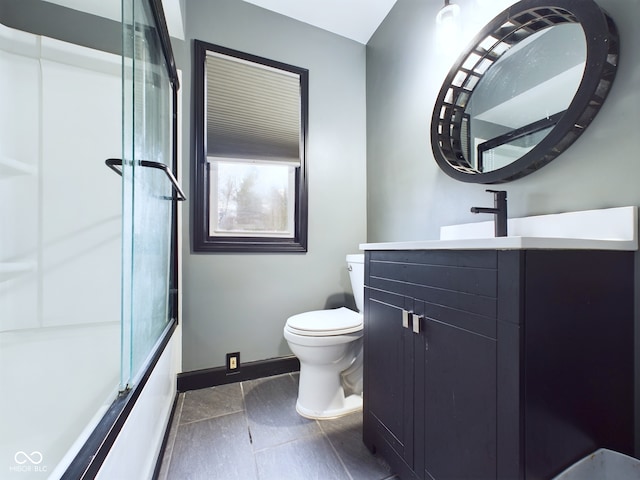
[252,111]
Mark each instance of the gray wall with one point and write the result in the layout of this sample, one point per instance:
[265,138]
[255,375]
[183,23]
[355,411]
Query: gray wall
[51,20]
[409,198]
[241,302]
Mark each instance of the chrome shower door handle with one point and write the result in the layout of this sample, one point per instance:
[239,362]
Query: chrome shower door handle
[114,163]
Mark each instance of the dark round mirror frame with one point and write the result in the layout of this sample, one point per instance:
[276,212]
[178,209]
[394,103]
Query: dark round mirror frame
[526,18]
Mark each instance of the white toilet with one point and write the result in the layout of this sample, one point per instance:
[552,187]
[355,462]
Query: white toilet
[328,344]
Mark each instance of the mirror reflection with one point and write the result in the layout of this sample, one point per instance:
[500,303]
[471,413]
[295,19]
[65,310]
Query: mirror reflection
[524,90]
[522,96]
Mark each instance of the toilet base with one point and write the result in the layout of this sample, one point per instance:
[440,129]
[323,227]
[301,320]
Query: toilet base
[352,403]
[330,380]
[323,389]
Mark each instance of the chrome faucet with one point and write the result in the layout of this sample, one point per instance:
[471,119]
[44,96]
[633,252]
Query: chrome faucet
[499,211]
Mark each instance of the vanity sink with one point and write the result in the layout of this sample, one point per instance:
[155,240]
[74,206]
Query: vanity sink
[506,243]
[604,229]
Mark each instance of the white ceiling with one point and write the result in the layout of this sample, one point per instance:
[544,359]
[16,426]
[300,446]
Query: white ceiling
[354,19]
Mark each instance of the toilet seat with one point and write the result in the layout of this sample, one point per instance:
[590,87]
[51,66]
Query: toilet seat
[325,323]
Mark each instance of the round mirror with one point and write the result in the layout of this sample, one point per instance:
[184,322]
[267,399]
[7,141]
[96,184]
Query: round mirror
[524,90]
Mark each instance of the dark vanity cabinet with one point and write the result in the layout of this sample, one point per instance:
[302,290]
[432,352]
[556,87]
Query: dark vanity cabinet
[497,364]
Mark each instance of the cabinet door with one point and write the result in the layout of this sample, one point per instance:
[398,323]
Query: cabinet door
[389,369]
[459,403]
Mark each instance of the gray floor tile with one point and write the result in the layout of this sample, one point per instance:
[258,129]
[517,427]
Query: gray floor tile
[218,434]
[345,434]
[270,406]
[211,402]
[214,449]
[309,458]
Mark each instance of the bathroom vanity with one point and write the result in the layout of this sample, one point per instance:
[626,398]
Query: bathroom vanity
[508,362]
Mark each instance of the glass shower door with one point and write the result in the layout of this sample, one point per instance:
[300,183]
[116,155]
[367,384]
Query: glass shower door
[149,190]
[83,303]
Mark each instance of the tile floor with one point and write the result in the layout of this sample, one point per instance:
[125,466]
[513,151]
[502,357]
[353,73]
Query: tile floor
[251,431]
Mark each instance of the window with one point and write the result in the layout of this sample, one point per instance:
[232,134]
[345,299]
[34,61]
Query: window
[250,166]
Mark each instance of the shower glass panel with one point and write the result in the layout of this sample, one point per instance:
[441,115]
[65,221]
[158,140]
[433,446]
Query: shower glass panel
[87,258]
[147,191]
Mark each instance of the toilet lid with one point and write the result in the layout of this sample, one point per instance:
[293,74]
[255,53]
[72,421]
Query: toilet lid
[323,323]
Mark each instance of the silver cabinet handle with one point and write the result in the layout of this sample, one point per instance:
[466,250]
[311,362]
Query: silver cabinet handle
[411,320]
[416,322]
[405,318]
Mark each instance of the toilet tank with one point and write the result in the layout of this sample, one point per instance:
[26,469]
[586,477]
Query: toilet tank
[355,264]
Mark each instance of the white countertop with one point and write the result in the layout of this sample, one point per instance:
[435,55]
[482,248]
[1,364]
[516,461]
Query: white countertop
[506,243]
[604,229]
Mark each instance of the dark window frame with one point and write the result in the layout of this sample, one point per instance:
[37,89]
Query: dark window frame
[202,241]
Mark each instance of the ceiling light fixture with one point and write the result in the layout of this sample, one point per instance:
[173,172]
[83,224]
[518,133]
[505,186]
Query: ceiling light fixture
[448,29]
[448,13]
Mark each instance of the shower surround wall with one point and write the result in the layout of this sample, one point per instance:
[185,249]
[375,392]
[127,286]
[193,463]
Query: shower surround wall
[60,217]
